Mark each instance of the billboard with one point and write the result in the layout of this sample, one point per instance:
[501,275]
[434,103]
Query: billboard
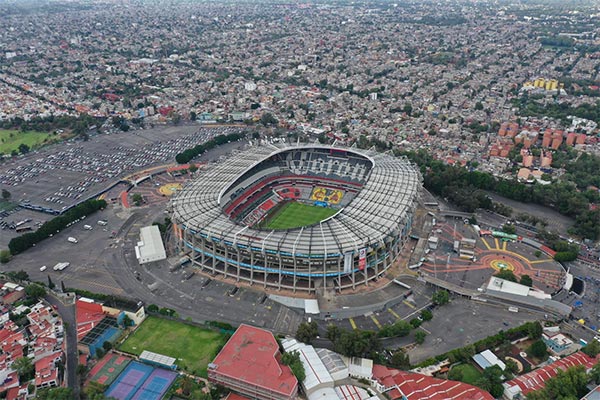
[362,258]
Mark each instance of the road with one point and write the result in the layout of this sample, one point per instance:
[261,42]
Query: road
[67,313]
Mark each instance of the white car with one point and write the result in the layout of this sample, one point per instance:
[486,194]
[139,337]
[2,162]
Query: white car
[43,268]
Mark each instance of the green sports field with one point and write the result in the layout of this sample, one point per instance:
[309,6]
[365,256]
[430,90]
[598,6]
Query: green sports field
[193,347]
[10,139]
[294,215]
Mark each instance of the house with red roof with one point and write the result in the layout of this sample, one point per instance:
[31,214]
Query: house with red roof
[535,380]
[46,370]
[404,385]
[250,364]
[17,392]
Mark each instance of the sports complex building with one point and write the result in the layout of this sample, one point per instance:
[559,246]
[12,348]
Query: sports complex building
[300,217]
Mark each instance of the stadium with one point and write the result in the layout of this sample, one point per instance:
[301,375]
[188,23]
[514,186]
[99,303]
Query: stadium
[298,217]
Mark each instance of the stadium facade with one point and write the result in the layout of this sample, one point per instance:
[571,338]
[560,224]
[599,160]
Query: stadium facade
[219,218]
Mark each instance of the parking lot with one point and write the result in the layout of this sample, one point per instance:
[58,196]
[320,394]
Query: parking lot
[61,175]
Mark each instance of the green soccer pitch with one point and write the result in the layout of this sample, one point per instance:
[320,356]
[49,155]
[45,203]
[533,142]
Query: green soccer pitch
[294,215]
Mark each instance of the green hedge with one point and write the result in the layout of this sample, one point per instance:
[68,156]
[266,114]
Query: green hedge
[187,155]
[21,243]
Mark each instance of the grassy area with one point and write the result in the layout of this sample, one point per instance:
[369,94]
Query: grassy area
[193,347]
[294,215]
[470,374]
[10,139]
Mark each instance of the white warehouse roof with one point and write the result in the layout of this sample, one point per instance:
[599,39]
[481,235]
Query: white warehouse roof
[150,247]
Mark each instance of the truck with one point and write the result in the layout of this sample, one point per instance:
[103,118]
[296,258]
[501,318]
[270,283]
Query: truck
[87,227]
[60,266]
[72,239]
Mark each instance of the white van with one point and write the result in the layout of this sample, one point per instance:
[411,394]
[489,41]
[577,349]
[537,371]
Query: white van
[87,227]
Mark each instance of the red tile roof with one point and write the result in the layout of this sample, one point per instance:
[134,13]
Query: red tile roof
[235,396]
[535,380]
[252,356]
[421,387]
[88,316]
[46,370]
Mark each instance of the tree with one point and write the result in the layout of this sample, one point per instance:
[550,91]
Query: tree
[24,368]
[595,373]
[491,380]
[440,297]
[307,332]
[415,323]
[268,119]
[153,308]
[506,275]
[400,360]
[400,328]
[592,348]
[538,349]
[5,194]
[35,291]
[292,360]
[51,284]
[455,374]
[510,229]
[427,315]
[193,115]
[58,393]
[82,371]
[23,148]
[526,280]
[193,168]
[511,366]
[137,199]
[127,321]
[420,337]
[333,332]
[535,330]
[4,256]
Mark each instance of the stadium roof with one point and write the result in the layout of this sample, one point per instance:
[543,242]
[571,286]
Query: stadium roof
[250,355]
[381,206]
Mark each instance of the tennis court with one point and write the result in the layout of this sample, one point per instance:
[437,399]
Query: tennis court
[130,380]
[107,369]
[141,382]
[156,385]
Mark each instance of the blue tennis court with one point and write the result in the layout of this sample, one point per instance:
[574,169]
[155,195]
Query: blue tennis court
[156,385]
[129,381]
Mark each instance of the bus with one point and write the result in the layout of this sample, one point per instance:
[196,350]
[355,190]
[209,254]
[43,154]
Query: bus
[502,235]
[23,228]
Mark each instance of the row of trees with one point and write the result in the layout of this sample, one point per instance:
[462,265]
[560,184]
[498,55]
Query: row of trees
[55,225]
[78,125]
[292,360]
[466,188]
[187,155]
[510,276]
